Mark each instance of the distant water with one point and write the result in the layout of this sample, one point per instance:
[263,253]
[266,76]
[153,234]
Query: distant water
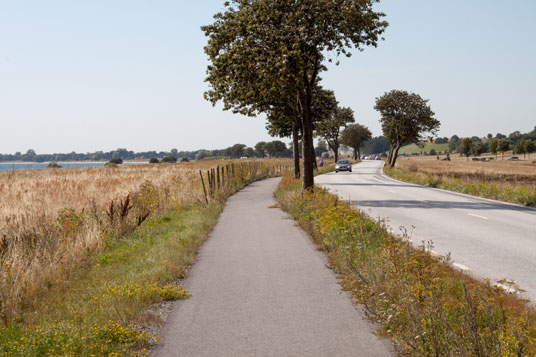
[40,165]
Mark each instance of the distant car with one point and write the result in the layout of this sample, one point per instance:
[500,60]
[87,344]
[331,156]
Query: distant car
[343,165]
[514,158]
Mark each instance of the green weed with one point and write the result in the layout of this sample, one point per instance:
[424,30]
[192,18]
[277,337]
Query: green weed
[422,303]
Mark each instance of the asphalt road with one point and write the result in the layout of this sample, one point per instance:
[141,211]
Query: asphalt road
[488,239]
[260,288]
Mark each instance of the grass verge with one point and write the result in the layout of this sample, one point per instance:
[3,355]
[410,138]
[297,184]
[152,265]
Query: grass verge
[520,194]
[98,309]
[427,307]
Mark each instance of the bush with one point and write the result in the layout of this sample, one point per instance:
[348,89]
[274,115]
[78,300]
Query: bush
[116,160]
[185,159]
[413,168]
[169,159]
[154,160]
[53,165]
[433,152]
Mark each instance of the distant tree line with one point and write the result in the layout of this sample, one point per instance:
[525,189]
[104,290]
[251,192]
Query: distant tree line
[518,142]
[124,154]
[274,148]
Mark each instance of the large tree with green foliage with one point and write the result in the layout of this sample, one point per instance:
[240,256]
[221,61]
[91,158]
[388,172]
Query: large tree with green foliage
[260,148]
[235,151]
[530,146]
[465,147]
[355,136]
[493,145]
[262,50]
[330,127]
[376,145]
[284,120]
[276,148]
[503,146]
[524,147]
[405,118]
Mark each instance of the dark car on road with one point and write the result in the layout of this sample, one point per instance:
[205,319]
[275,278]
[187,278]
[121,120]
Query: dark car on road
[343,165]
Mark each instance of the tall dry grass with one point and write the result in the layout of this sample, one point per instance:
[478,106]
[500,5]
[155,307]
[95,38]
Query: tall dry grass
[52,219]
[512,173]
[507,181]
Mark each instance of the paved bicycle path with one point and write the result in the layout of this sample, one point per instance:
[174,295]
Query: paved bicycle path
[259,287]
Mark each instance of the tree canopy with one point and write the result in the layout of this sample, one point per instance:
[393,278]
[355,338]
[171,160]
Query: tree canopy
[503,146]
[355,136]
[465,147]
[405,118]
[264,50]
[330,127]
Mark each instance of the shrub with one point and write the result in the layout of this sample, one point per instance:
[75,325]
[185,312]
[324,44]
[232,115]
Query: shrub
[53,165]
[185,159]
[116,160]
[413,168]
[169,159]
[154,160]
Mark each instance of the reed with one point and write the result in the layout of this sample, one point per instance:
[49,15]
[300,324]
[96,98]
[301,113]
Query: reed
[51,220]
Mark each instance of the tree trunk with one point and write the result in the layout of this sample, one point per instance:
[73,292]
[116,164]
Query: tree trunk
[355,153]
[390,157]
[307,141]
[358,154]
[395,154]
[296,147]
[336,151]
[315,167]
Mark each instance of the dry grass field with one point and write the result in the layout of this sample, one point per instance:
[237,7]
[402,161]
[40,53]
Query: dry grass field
[52,219]
[504,180]
[522,172]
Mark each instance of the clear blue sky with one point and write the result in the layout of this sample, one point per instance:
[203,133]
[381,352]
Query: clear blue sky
[102,74]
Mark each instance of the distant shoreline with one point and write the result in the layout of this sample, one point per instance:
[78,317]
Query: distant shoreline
[69,162]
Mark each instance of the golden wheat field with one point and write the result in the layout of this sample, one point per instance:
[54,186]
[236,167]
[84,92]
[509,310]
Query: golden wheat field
[51,219]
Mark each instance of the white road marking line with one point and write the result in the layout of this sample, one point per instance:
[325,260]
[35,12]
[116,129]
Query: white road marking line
[506,288]
[433,252]
[461,266]
[476,215]
[391,191]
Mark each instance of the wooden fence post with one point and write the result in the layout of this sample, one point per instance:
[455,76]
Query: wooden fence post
[218,175]
[209,182]
[204,189]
